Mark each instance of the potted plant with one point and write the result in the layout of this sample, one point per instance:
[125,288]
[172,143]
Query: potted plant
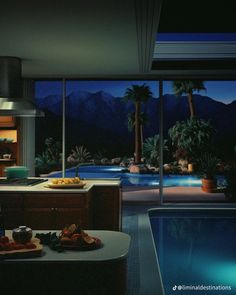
[207,166]
[189,139]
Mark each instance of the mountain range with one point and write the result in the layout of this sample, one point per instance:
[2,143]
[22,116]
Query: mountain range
[98,120]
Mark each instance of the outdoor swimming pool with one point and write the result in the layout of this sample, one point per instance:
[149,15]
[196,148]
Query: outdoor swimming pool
[130,179]
[195,249]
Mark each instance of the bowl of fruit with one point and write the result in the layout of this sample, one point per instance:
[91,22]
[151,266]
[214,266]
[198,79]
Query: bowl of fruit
[67,182]
[74,238]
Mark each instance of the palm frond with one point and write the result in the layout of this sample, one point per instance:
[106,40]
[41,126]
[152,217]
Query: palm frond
[181,87]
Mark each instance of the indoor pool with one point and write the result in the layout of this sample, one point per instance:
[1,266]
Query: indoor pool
[130,179]
[195,249]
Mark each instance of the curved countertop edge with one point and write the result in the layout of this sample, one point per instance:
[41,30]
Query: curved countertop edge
[115,247]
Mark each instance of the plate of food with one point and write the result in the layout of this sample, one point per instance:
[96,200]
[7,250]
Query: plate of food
[66,183]
[11,249]
[74,238]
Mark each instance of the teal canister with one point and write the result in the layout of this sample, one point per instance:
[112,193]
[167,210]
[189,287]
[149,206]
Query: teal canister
[16,172]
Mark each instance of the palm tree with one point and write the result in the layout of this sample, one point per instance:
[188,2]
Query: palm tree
[138,94]
[188,87]
[143,121]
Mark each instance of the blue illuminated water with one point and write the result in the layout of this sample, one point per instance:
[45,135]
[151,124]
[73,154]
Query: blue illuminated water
[131,179]
[196,249]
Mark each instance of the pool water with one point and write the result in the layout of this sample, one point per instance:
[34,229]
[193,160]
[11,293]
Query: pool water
[130,179]
[196,250]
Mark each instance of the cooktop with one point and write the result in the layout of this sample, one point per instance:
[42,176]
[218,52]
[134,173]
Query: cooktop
[21,181]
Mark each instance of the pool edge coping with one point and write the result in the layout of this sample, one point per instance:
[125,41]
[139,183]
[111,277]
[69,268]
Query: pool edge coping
[150,275]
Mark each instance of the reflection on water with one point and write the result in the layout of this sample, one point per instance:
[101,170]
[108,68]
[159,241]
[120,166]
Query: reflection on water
[196,249]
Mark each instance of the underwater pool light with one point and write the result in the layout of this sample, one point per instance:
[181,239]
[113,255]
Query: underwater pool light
[223,272]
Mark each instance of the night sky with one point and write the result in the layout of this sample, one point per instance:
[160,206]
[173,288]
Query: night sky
[196,37]
[224,91]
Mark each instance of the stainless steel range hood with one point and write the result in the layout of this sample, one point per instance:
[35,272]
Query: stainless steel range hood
[12,102]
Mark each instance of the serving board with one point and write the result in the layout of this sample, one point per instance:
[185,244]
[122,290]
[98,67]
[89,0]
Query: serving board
[75,185]
[23,253]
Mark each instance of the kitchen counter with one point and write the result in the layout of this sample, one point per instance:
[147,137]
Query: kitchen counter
[95,206]
[42,187]
[100,271]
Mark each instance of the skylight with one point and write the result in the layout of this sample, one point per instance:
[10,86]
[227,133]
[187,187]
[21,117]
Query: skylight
[207,37]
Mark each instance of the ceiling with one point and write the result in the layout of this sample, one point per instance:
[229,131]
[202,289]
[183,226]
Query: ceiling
[76,38]
[201,16]
[105,38]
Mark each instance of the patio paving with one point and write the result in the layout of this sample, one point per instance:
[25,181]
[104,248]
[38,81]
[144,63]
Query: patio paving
[170,194]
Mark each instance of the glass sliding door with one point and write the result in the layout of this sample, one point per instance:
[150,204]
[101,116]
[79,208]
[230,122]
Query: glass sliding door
[48,129]
[111,130]
[198,126]
[180,128]
[199,130]
[100,130]
[96,122]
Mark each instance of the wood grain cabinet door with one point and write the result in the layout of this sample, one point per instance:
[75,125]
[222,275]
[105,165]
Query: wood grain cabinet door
[13,218]
[12,207]
[55,210]
[107,208]
[40,218]
[67,216]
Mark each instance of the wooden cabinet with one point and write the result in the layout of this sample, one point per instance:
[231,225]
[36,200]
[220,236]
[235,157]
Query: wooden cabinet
[107,207]
[53,211]
[7,121]
[8,148]
[8,143]
[39,218]
[99,208]
[12,207]
[55,218]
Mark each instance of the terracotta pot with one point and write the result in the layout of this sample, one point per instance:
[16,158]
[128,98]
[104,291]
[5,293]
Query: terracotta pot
[209,185]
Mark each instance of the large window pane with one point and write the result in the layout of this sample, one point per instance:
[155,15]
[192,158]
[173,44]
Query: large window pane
[100,129]
[200,132]
[48,129]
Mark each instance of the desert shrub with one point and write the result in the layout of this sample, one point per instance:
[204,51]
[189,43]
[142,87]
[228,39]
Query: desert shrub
[50,158]
[78,155]
[151,148]
[191,138]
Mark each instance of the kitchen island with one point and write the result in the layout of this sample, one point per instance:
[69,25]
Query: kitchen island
[95,206]
[101,271]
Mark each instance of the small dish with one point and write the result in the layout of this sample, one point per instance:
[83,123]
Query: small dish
[6,156]
[75,185]
[22,234]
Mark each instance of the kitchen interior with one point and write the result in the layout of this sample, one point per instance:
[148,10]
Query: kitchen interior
[83,43]
[91,214]
[90,209]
